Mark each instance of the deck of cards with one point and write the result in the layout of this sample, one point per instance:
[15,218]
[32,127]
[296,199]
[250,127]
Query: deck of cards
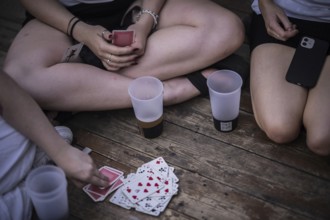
[99,194]
[149,190]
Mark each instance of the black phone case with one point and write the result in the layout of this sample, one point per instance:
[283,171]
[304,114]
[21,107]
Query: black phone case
[307,62]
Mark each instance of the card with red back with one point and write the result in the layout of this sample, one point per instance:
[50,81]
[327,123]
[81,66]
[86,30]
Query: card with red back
[113,176]
[122,38]
[96,197]
[116,185]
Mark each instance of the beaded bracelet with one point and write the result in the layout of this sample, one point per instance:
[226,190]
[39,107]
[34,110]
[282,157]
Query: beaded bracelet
[153,15]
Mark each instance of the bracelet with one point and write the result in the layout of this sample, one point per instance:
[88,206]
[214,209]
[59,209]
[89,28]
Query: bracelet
[72,27]
[68,28]
[153,15]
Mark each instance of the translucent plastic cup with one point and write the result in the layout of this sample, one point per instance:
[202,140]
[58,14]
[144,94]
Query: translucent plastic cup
[225,92]
[47,188]
[147,99]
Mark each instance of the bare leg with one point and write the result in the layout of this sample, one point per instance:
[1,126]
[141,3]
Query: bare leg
[317,114]
[34,61]
[278,105]
[192,34]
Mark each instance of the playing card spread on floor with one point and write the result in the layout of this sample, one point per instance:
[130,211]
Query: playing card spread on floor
[99,194]
[149,190]
[144,185]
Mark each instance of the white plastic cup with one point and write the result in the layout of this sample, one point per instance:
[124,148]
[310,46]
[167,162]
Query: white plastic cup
[147,99]
[47,188]
[225,92]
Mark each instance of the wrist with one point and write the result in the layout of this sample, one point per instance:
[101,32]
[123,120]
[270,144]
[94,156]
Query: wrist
[146,14]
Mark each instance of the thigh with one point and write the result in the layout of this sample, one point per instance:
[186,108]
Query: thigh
[275,101]
[37,45]
[192,13]
[317,112]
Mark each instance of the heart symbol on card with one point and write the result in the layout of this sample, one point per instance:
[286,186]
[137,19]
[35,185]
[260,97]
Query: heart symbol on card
[150,178]
[158,162]
[166,190]
[134,197]
[140,184]
[148,184]
[166,182]
[156,184]
[145,190]
[128,190]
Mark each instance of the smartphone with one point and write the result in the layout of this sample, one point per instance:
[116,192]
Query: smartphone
[307,62]
[122,38]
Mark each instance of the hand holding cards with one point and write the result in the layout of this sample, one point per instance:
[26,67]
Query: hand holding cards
[99,194]
[149,190]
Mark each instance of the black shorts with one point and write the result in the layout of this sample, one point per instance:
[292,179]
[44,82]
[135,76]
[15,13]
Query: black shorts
[109,14]
[258,33]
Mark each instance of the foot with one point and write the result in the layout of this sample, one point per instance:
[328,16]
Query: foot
[181,89]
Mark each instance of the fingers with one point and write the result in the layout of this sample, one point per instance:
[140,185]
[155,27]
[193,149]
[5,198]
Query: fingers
[281,28]
[114,57]
[93,177]
[115,62]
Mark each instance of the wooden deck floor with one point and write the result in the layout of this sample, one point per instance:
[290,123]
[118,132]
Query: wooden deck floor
[237,175]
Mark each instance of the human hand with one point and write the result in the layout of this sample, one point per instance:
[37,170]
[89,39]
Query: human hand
[79,167]
[277,23]
[98,39]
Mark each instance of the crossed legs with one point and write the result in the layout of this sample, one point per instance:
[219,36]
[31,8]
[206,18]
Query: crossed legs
[192,34]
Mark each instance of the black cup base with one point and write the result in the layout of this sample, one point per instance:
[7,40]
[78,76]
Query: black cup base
[225,126]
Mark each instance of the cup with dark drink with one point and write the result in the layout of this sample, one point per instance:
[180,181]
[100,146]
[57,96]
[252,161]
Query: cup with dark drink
[225,92]
[147,99]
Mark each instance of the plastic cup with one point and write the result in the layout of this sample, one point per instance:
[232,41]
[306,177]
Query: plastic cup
[147,99]
[47,188]
[225,92]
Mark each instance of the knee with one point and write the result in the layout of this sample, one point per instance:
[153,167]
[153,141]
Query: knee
[224,33]
[14,70]
[319,143]
[281,133]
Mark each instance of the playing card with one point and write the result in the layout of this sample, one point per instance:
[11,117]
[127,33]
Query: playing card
[142,186]
[112,173]
[116,185]
[122,38]
[72,54]
[151,212]
[160,165]
[95,191]
[149,190]
[94,196]
[172,175]
[119,199]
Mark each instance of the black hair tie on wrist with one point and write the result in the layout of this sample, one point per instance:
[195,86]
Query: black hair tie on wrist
[73,25]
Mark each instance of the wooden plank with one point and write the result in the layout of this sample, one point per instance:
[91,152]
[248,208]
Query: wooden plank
[253,174]
[200,196]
